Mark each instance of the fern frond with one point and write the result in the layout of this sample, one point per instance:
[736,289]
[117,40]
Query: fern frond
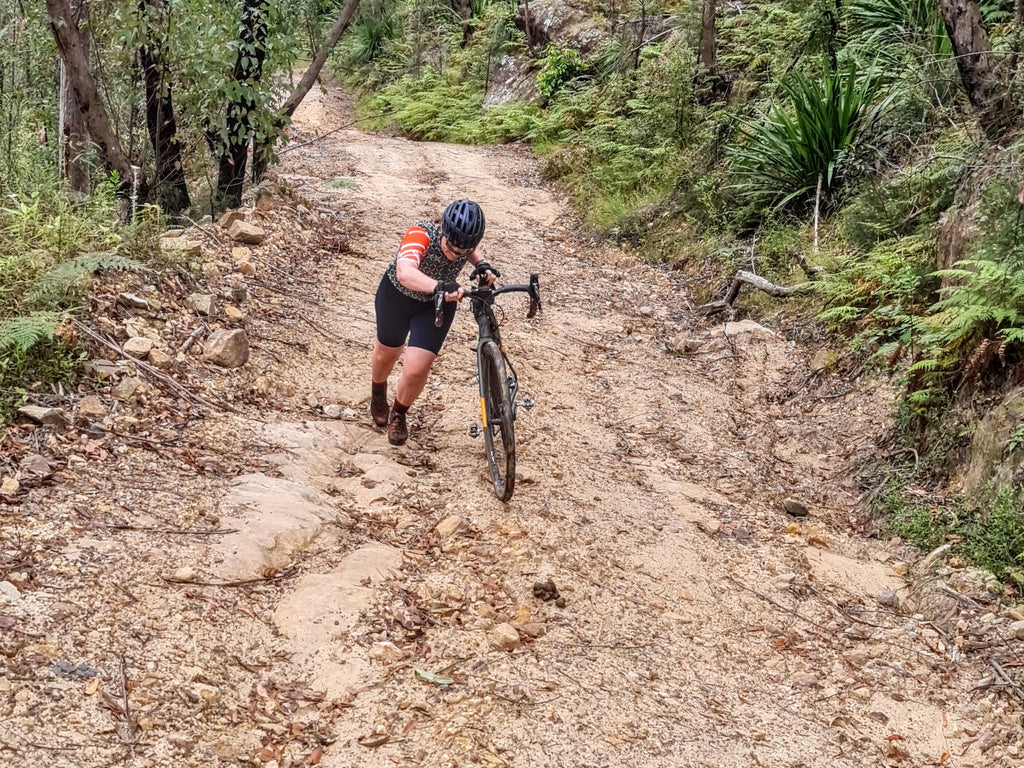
[21,333]
[69,274]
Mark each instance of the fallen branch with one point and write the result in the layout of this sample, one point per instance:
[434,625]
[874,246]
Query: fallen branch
[172,531]
[754,281]
[149,370]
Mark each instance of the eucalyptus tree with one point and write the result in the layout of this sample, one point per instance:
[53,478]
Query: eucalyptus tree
[985,85]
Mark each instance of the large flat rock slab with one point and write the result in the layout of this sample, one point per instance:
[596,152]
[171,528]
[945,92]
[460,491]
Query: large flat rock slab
[273,518]
[318,615]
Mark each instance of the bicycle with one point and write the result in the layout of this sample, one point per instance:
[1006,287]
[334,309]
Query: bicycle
[497,380]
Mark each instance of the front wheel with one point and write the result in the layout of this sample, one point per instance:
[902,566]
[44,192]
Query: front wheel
[496,411]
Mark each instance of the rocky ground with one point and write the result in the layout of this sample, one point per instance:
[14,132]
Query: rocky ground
[211,565]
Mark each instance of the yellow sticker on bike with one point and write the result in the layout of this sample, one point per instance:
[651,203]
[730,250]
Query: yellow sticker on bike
[483,412]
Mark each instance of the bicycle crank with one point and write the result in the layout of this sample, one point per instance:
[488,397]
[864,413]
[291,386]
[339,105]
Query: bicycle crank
[475,431]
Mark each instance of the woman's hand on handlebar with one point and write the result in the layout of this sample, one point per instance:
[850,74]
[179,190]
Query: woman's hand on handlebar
[484,273]
[452,291]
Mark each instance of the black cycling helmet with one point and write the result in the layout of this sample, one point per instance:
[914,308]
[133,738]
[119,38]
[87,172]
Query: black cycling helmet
[463,224]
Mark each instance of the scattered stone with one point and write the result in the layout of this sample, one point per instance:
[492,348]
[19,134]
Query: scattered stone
[247,268]
[51,417]
[227,348]
[646,311]
[244,232]
[805,680]
[125,388]
[240,253]
[795,508]
[203,303]
[1016,614]
[181,246]
[534,629]
[741,328]
[545,590]
[185,573]
[684,345]
[101,369]
[9,486]
[233,312]
[784,580]
[133,300]
[210,269]
[332,411]
[1017,629]
[505,637]
[448,527]
[138,346]
[9,593]
[387,652]
[92,407]
[823,360]
[863,693]
[888,598]
[160,358]
[486,611]
[230,217]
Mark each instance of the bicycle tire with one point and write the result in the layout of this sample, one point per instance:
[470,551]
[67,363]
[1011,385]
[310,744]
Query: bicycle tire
[499,434]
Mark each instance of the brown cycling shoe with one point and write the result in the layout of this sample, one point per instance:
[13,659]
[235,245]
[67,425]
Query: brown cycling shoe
[398,431]
[379,408]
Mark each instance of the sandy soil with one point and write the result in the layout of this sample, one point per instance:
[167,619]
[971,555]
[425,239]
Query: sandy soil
[274,584]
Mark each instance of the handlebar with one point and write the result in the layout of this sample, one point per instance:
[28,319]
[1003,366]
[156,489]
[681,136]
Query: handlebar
[487,293]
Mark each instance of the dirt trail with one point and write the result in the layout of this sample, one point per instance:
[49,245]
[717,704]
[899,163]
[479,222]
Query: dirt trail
[701,625]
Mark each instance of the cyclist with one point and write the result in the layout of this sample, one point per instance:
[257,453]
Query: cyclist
[429,260]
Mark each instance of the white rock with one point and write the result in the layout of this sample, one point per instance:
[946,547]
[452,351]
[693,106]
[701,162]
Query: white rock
[505,637]
[138,346]
[448,527]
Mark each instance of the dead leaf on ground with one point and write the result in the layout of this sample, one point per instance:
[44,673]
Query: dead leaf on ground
[374,740]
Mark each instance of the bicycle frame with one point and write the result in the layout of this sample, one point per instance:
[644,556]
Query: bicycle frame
[497,382]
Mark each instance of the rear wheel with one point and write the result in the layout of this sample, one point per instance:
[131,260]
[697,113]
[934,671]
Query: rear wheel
[499,435]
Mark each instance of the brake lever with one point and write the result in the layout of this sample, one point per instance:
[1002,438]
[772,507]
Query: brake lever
[535,305]
[439,306]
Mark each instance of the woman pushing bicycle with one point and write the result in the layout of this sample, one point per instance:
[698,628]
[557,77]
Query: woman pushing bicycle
[429,261]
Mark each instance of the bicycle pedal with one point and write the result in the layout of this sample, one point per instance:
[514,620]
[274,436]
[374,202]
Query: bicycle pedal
[475,431]
[527,403]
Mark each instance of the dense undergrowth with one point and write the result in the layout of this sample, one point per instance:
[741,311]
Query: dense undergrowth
[49,250]
[841,143]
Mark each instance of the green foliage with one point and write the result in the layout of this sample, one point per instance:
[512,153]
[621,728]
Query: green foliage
[559,67]
[786,154]
[19,334]
[876,297]
[63,285]
[984,296]
[31,352]
[991,537]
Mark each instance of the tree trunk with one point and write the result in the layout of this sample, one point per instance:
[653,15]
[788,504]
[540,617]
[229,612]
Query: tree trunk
[252,51]
[171,189]
[76,63]
[708,42]
[74,137]
[985,89]
[263,151]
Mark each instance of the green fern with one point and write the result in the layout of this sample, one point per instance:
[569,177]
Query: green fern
[68,276]
[19,334]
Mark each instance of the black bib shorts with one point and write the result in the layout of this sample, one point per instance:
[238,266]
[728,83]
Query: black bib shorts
[401,317]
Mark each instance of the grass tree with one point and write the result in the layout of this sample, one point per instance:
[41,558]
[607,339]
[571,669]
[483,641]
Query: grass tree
[803,146]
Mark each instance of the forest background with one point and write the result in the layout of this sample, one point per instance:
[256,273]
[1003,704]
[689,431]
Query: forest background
[858,162]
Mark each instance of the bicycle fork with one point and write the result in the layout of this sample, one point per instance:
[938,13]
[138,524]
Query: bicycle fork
[513,390]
